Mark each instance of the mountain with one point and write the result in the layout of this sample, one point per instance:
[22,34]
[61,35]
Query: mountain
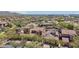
[7,13]
[59,13]
[39,13]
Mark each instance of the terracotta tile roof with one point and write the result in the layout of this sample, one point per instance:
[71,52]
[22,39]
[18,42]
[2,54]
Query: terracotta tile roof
[70,32]
[38,28]
[3,22]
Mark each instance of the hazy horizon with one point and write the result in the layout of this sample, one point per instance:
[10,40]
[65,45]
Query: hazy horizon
[47,12]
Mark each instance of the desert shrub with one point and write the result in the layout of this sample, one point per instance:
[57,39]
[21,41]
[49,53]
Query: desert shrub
[29,37]
[33,44]
[66,25]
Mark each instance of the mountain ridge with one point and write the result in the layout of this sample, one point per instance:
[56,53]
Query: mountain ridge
[7,13]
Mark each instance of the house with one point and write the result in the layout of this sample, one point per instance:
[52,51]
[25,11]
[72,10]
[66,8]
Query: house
[31,25]
[28,27]
[3,24]
[65,34]
[37,30]
[26,30]
[76,20]
[51,33]
[77,32]
[70,32]
[18,30]
[46,25]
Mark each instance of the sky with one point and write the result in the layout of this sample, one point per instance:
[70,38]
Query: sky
[47,12]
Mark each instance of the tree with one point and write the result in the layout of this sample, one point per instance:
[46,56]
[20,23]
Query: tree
[66,25]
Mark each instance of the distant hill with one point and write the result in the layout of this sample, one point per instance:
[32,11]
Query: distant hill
[34,13]
[52,13]
[7,13]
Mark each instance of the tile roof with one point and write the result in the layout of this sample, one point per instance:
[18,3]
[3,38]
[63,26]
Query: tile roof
[70,32]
